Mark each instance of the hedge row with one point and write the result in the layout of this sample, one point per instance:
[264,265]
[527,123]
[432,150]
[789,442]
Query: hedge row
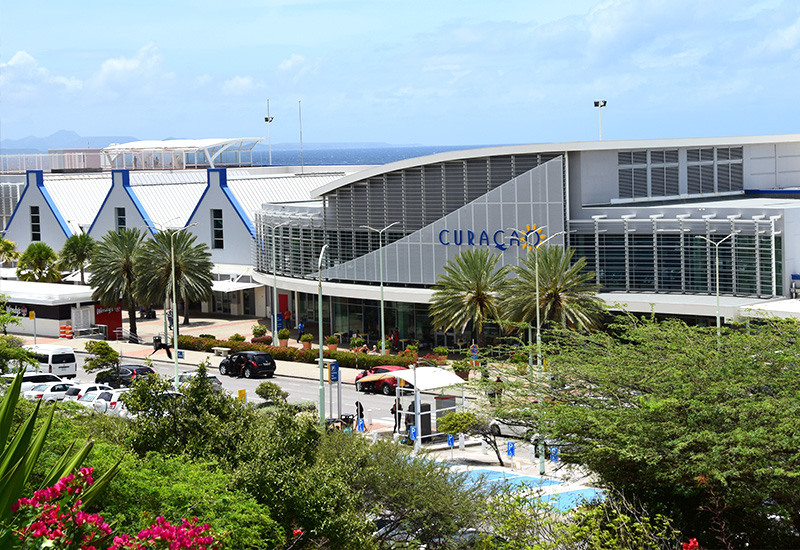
[345,358]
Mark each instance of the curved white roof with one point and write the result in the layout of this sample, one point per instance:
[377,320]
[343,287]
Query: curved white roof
[185,144]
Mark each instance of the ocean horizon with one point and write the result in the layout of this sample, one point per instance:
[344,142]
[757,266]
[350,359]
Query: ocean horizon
[350,155]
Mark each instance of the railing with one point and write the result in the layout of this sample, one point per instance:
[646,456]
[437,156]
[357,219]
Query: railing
[125,334]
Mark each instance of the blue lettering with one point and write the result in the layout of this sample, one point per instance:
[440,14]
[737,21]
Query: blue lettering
[484,238]
[470,238]
[442,232]
[499,245]
[514,238]
[458,237]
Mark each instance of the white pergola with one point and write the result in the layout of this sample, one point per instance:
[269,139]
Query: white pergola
[178,154]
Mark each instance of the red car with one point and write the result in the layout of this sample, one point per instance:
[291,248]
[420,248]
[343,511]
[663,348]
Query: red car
[386,385]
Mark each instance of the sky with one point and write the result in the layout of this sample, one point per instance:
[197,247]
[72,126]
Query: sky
[439,72]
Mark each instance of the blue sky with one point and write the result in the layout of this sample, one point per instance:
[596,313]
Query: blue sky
[439,72]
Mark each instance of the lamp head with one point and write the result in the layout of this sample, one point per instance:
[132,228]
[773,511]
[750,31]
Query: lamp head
[600,103]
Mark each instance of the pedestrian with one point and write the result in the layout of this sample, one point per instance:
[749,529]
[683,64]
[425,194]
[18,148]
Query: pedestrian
[359,410]
[495,391]
[396,339]
[397,413]
[169,319]
[287,319]
[301,328]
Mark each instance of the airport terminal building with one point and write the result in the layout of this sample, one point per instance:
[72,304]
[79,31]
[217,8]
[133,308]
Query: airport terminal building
[648,215]
[651,217]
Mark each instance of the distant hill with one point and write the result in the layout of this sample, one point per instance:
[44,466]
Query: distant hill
[63,139]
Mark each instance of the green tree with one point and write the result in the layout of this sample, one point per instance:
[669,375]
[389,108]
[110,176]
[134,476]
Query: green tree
[38,263]
[8,250]
[566,294]
[6,316]
[113,271]
[193,268]
[76,253]
[103,357]
[469,423]
[468,291]
[706,436]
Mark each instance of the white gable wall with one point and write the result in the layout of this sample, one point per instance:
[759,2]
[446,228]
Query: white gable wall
[53,229]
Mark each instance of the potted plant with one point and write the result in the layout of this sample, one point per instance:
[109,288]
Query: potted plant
[333,342]
[283,337]
[356,343]
[441,352]
[461,368]
[306,340]
[259,330]
[387,344]
[413,349]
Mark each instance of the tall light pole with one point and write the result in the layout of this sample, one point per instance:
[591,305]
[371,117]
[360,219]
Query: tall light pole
[539,331]
[268,119]
[321,369]
[716,270]
[380,261]
[600,103]
[274,281]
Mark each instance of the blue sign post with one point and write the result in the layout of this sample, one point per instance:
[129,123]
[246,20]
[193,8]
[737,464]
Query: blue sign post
[473,352]
[361,426]
[412,433]
[180,354]
[333,372]
[451,441]
[554,454]
[511,449]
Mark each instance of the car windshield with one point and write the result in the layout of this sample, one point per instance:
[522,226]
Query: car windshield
[73,391]
[63,358]
[39,387]
[91,396]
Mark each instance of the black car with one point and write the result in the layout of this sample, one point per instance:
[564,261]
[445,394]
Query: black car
[248,364]
[127,374]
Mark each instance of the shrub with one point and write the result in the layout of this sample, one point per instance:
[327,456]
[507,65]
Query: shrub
[259,330]
[237,338]
[331,340]
[412,346]
[440,350]
[211,336]
[262,340]
[306,337]
[284,334]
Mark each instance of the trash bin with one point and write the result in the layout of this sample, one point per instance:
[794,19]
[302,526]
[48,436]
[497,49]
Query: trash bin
[347,420]
[156,343]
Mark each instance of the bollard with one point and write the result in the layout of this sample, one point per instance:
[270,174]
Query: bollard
[532,450]
[374,437]
[484,448]
[395,437]
[368,418]
[462,445]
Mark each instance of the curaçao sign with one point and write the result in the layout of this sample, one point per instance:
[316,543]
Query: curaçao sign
[531,236]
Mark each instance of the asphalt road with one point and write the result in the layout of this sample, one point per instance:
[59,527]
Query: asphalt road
[376,406]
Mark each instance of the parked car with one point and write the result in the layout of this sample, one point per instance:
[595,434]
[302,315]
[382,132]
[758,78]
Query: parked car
[386,385]
[55,359]
[49,391]
[87,399]
[31,379]
[127,374]
[185,377]
[75,392]
[110,401]
[248,364]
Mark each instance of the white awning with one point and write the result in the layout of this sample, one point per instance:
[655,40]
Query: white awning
[429,378]
[231,286]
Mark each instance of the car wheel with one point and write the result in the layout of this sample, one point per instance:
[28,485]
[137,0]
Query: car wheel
[358,386]
[494,429]
[223,369]
[387,389]
[248,373]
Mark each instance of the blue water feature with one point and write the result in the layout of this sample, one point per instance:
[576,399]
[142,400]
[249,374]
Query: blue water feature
[571,499]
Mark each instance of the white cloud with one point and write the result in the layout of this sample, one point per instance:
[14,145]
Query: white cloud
[238,85]
[781,40]
[294,61]
[120,71]
[22,74]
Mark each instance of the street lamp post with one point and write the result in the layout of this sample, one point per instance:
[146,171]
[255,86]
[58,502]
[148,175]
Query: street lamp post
[275,282]
[321,373]
[716,270]
[380,261]
[600,103]
[539,335]
[268,119]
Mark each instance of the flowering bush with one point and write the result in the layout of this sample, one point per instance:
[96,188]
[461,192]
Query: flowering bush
[53,518]
[691,545]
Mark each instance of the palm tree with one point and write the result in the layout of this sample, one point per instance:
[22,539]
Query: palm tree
[113,271]
[566,294]
[8,250]
[193,268]
[468,291]
[76,253]
[39,263]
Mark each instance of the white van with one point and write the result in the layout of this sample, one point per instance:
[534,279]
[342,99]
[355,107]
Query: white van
[58,360]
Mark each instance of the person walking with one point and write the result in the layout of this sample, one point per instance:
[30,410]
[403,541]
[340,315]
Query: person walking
[287,319]
[301,328]
[397,413]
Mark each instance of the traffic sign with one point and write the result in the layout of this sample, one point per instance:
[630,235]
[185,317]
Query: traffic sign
[412,433]
[510,448]
[473,351]
[333,372]
[451,440]
[361,426]
[180,354]
[554,454]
